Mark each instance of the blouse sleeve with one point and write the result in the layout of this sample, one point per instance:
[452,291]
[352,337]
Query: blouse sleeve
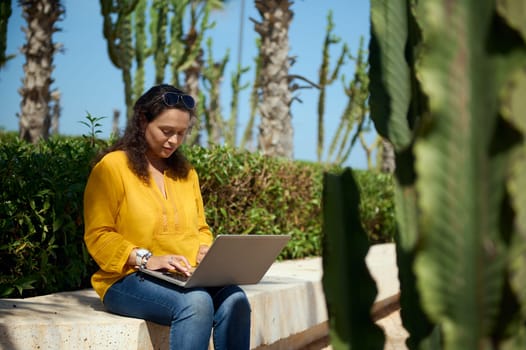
[102,197]
[205,235]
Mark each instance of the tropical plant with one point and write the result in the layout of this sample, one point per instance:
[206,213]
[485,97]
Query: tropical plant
[117,30]
[247,141]
[93,124]
[386,156]
[349,288]
[190,58]
[142,51]
[448,81]
[5,13]
[275,129]
[170,45]
[237,87]
[39,49]
[326,78]
[355,120]
[212,76]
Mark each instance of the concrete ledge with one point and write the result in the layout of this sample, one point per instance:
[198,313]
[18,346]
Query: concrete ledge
[288,312]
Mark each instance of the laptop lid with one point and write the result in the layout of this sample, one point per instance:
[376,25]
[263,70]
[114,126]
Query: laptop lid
[232,259]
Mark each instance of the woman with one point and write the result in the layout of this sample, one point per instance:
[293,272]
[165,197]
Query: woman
[143,207]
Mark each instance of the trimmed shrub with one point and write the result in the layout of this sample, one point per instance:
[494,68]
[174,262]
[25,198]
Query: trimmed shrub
[41,243]
[377,209]
[247,193]
[41,230]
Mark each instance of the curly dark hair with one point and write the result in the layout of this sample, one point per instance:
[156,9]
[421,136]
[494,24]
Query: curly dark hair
[133,142]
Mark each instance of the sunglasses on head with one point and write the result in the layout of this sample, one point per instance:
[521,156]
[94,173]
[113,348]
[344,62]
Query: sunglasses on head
[171,99]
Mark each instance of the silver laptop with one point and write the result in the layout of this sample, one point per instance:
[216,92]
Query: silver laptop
[232,259]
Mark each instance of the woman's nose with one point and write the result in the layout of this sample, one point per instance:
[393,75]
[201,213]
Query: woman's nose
[174,138]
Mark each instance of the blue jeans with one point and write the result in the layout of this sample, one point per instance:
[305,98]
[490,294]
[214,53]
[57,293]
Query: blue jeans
[191,313]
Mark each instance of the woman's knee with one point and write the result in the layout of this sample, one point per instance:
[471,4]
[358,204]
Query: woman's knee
[240,301]
[233,300]
[199,305]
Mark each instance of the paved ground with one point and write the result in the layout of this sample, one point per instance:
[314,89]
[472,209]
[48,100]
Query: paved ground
[381,261]
[394,332]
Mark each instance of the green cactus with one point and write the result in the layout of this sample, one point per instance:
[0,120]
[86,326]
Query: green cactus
[185,52]
[212,76]
[355,115]
[5,13]
[176,47]
[349,288]
[141,51]
[237,87]
[448,81]
[326,78]
[248,134]
[391,86]
[118,36]
[169,45]
[158,28]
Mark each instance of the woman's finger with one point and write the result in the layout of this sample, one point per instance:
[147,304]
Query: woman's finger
[180,263]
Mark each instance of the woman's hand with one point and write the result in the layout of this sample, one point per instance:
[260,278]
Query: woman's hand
[169,262]
[203,249]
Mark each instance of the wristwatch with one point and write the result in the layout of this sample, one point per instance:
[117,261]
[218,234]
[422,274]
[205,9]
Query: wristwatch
[141,257]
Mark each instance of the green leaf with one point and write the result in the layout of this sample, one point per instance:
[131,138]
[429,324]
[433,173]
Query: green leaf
[25,283]
[6,291]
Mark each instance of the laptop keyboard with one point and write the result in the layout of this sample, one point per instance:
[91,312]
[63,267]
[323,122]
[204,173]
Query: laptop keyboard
[176,275]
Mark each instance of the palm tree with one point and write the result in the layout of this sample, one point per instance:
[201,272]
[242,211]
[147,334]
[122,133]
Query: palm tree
[41,16]
[387,161]
[275,130]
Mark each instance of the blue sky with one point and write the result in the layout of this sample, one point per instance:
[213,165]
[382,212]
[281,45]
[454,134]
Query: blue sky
[90,83]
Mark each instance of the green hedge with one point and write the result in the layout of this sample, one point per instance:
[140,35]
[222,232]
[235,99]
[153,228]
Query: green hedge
[246,193]
[41,248]
[41,229]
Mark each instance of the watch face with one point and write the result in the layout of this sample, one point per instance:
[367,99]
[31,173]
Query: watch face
[141,252]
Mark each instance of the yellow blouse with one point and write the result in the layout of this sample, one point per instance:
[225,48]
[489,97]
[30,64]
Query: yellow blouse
[121,213]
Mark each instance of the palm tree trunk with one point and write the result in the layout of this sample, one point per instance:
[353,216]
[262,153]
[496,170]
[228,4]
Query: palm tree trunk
[55,112]
[388,157]
[275,130]
[41,16]
[115,131]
